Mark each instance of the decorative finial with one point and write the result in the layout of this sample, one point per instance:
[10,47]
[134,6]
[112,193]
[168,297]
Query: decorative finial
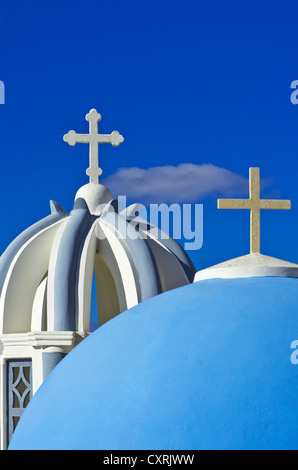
[254,203]
[93,139]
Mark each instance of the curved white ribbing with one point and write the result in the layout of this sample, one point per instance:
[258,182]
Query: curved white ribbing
[24,276]
[85,280]
[170,270]
[51,274]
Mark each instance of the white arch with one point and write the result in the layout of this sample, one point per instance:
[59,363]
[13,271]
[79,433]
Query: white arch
[23,278]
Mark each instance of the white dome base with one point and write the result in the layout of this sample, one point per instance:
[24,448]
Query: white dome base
[252,265]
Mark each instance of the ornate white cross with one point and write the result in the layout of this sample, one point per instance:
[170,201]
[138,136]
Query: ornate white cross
[93,139]
[254,203]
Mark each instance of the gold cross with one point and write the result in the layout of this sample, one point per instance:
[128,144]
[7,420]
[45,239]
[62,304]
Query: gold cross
[254,203]
[93,139]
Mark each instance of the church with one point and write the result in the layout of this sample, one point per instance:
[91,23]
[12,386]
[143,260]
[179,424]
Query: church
[181,360]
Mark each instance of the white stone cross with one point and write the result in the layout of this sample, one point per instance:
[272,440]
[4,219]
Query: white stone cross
[254,204]
[93,139]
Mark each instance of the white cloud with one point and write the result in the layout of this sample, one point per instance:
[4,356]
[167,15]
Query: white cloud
[184,183]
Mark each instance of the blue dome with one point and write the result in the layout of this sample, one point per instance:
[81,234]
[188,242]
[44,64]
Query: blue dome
[205,366]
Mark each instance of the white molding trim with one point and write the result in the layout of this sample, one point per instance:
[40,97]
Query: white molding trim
[43,339]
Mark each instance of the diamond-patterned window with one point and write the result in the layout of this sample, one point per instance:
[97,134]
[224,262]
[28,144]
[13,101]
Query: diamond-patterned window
[19,391]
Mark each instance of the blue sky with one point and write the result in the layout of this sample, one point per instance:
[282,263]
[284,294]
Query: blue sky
[185,82]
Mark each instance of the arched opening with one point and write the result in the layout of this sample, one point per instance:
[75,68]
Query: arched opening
[106,292]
